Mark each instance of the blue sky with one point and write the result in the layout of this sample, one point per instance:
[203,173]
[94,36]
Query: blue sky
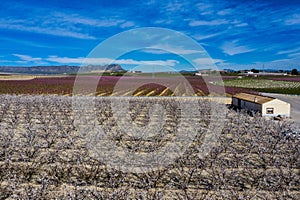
[236,34]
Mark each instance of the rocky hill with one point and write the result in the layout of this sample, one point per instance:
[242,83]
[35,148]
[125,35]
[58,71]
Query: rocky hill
[58,69]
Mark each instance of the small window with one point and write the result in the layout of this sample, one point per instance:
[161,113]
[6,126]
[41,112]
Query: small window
[270,110]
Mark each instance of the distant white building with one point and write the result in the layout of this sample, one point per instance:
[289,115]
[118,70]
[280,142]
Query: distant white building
[267,106]
[249,73]
[136,72]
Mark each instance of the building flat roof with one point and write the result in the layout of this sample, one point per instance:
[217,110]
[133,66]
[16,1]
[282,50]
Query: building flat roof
[253,98]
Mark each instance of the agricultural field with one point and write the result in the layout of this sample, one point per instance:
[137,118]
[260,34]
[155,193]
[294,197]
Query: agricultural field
[290,79]
[22,77]
[16,77]
[44,156]
[57,85]
[283,85]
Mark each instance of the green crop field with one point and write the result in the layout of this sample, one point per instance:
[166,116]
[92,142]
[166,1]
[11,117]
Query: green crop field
[265,85]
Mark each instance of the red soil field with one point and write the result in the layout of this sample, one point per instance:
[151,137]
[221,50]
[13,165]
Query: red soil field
[106,86]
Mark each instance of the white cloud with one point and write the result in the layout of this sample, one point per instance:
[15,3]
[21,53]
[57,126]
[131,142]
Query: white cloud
[204,7]
[27,58]
[108,22]
[65,60]
[295,55]
[207,61]
[235,66]
[162,21]
[209,23]
[241,24]
[148,62]
[289,51]
[174,6]
[127,24]
[166,49]
[225,12]
[61,24]
[207,13]
[284,63]
[231,48]
[103,61]
[203,37]
[12,61]
[155,51]
[280,61]
[78,19]
[54,30]
[217,22]
[295,19]
[238,23]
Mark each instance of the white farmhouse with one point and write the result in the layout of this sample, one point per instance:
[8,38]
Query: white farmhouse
[267,106]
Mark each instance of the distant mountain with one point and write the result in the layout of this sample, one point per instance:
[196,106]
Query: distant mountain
[111,68]
[230,70]
[187,71]
[59,69]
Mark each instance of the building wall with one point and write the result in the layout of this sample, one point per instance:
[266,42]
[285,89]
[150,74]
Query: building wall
[222,100]
[251,106]
[280,108]
[247,105]
[235,101]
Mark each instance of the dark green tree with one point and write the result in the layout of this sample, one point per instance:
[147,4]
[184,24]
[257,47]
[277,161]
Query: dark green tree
[254,70]
[295,72]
